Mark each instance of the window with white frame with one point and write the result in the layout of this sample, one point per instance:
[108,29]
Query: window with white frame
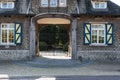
[44,3]
[53,3]
[62,3]
[98,33]
[7,5]
[99,5]
[7,34]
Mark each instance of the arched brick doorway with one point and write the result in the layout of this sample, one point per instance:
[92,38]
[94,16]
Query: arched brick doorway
[46,19]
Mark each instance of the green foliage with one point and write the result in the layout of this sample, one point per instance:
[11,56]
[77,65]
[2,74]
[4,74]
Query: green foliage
[65,46]
[63,35]
[48,34]
[43,46]
[54,35]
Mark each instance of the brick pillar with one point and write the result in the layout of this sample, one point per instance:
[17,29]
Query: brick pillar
[32,39]
[74,52]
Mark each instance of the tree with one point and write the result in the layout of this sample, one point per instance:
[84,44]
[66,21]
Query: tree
[54,35]
[48,34]
[63,35]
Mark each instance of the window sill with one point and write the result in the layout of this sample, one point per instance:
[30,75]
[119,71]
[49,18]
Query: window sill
[62,6]
[98,45]
[7,44]
[44,6]
[6,8]
[53,7]
[100,9]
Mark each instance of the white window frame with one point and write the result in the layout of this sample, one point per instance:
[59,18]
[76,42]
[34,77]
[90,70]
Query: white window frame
[62,4]
[7,7]
[44,3]
[56,3]
[99,6]
[98,44]
[8,28]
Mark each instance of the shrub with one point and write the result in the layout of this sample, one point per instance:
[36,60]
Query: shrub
[65,46]
[43,46]
[48,34]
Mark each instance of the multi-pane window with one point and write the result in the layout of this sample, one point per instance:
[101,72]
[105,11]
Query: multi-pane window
[62,3]
[99,5]
[53,3]
[98,33]
[7,5]
[44,3]
[7,33]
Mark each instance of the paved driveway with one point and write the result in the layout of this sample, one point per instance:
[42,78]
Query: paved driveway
[56,67]
[68,78]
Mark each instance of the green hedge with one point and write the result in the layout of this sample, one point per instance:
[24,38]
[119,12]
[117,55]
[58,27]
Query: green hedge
[65,46]
[43,46]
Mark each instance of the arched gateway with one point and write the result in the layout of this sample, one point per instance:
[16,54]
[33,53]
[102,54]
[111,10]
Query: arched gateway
[56,19]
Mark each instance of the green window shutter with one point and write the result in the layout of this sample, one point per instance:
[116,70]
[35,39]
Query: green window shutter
[18,33]
[109,34]
[87,33]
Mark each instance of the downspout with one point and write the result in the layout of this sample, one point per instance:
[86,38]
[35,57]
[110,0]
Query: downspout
[28,7]
[78,11]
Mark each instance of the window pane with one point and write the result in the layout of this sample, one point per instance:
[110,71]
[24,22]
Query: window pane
[4,5]
[4,25]
[102,5]
[11,25]
[7,33]
[98,33]
[44,3]
[94,36]
[11,36]
[53,3]
[7,5]
[62,3]
[96,5]
[10,5]
[101,36]
[98,26]
[4,36]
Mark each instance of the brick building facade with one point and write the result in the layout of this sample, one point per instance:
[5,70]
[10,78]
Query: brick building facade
[93,27]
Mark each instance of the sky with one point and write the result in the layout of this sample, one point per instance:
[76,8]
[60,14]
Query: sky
[116,1]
